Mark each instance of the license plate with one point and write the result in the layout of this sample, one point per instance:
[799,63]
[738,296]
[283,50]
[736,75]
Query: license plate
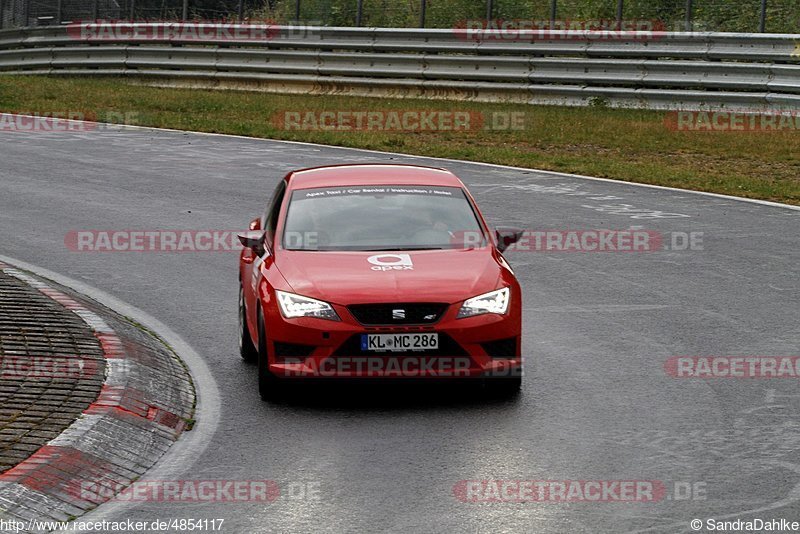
[399,342]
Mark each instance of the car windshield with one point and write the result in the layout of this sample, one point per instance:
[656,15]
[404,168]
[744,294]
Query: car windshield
[381,218]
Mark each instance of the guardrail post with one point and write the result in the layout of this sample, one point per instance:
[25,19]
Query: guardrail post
[489,9]
[422,6]
[689,15]
[762,23]
[620,8]
[241,10]
[553,11]
[359,11]
[185,12]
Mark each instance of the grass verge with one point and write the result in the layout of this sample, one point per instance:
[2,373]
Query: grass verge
[629,145]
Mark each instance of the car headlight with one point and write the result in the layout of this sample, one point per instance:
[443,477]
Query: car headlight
[492,302]
[292,305]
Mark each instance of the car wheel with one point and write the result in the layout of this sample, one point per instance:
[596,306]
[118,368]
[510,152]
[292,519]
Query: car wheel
[270,387]
[503,387]
[247,348]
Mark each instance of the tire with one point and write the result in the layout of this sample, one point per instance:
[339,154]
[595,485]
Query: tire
[270,387]
[247,348]
[505,387]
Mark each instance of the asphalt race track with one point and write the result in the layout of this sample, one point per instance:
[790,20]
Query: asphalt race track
[597,403]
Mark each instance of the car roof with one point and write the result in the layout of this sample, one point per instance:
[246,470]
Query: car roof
[371,174]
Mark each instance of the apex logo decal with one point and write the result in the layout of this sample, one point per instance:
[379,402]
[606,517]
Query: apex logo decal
[391,262]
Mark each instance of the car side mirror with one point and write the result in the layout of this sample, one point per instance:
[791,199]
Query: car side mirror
[507,236]
[254,240]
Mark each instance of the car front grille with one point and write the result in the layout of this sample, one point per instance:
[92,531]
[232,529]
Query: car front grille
[397,313]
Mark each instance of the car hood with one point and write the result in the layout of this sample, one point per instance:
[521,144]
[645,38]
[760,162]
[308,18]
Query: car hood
[373,277]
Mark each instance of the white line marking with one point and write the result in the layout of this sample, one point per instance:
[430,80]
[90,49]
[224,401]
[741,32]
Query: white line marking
[509,167]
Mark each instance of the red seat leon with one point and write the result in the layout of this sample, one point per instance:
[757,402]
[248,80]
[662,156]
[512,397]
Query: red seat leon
[377,272]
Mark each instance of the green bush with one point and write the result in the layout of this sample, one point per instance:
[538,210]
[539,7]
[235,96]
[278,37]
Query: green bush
[783,16]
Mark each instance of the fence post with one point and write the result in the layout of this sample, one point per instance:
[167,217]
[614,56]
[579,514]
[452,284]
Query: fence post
[297,11]
[241,10]
[689,15]
[185,11]
[553,12]
[95,9]
[25,13]
[359,10]
[762,23]
[2,12]
[133,9]
[620,8]
[489,9]
[59,12]
[422,6]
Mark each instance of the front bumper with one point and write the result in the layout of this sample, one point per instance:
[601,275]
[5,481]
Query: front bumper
[484,346]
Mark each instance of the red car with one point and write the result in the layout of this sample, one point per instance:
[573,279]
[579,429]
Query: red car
[377,271]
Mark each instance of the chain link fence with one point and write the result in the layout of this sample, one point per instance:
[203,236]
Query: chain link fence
[773,16]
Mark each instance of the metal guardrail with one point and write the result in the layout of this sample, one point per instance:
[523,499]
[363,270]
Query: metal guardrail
[666,70]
